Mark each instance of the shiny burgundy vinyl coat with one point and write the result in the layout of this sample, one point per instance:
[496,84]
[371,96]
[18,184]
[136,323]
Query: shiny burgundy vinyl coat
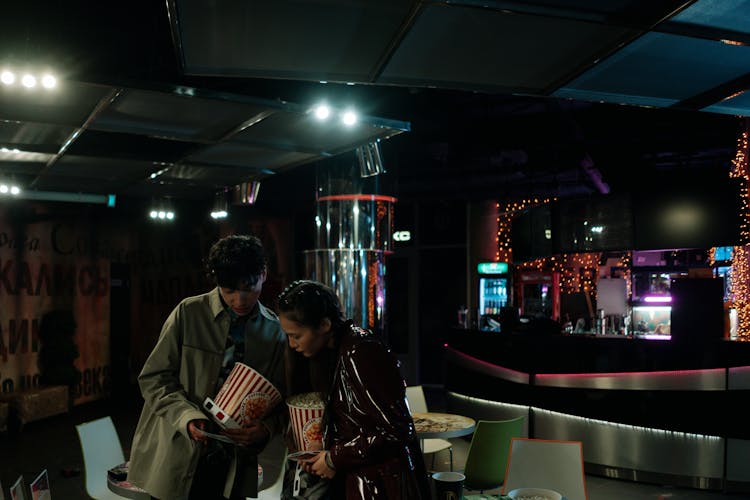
[370,432]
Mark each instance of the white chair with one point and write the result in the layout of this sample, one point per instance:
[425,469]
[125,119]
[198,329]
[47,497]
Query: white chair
[430,446]
[273,461]
[102,450]
[540,463]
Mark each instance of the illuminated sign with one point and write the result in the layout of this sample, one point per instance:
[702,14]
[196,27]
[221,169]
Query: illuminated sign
[402,236]
[492,267]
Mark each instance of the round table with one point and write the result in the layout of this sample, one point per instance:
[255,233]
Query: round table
[126,489]
[442,425]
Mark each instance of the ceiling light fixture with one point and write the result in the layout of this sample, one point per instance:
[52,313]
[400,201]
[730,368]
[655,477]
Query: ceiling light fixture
[28,81]
[49,81]
[7,77]
[221,206]
[9,189]
[349,118]
[246,193]
[162,211]
[322,112]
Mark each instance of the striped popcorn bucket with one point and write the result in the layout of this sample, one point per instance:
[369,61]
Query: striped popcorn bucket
[245,396]
[306,415]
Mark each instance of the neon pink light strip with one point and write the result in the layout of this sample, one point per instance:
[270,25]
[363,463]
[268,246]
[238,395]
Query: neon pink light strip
[657,298]
[359,197]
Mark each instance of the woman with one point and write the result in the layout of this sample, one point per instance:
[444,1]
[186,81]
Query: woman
[372,448]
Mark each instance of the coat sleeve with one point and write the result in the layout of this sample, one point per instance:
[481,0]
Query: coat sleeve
[159,379]
[373,392]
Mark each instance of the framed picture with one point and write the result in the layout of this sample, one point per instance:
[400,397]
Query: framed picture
[40,487]
[18,490]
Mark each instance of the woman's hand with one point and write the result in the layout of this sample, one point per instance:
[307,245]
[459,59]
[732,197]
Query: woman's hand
[196,428]
[254,433]
[317,465]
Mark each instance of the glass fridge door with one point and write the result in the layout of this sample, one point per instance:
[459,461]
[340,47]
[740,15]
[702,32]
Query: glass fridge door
[493,295]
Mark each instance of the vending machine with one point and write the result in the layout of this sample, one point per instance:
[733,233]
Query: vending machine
[494,287]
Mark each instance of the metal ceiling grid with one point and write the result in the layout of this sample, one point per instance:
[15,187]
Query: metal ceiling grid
[666,53]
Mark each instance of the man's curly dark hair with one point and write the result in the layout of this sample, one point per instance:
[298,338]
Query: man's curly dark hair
[236,261]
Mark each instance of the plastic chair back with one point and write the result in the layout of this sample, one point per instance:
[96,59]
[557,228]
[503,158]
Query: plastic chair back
[416,399]
[102,450]
[488,452]
[540,463]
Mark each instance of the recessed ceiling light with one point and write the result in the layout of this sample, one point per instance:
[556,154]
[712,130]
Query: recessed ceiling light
[349,118]
[28,81]
[7,77]
[322,112]
[49,81]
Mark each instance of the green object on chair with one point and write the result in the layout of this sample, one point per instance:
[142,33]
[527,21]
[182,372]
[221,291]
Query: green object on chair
[488,452]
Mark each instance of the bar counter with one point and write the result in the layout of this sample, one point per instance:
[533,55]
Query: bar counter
[648,410]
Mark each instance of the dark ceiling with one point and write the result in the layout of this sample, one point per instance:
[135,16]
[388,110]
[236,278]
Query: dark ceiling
[471,99]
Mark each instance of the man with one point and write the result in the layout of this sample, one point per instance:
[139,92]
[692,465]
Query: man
[201,339]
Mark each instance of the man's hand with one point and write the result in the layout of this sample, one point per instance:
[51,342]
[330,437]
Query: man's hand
[252,434]
[196,428]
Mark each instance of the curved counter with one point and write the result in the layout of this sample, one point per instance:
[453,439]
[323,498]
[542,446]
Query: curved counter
[650,411]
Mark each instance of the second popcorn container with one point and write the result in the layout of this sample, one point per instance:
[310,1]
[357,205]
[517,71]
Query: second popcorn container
[306,415]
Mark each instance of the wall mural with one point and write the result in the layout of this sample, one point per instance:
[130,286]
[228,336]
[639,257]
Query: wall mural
[84,291]
[46,268]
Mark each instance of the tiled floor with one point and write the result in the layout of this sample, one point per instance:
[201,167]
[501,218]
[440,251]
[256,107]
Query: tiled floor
[53,444]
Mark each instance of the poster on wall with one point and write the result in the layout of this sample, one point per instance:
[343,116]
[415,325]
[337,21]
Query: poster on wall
[54,306]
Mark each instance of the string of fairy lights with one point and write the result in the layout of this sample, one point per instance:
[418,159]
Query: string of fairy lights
[740,270]
[505,218]
[578,271]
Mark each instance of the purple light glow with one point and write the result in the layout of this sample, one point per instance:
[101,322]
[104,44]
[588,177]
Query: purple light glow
[657,298]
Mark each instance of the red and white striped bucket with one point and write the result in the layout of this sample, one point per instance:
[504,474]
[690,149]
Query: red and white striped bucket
[246,395]
[306,421]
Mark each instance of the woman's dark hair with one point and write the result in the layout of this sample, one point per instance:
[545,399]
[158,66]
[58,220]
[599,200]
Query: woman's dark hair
[236,260]
[309,303]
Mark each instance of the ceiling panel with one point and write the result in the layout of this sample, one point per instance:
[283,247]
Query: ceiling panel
[36,137]
[500,50]
[660,69]
[69,104]
[213,176]
[719,14]
[316,39]
[307,134]
[124,171]
[257,161]
[129,146]
[184,116]
[737,105]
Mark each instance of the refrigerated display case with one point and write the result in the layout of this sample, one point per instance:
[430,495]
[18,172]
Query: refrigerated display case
[652,320]
[494,282]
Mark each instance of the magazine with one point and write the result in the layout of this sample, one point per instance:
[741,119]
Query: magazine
[18,490]
[40,487]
